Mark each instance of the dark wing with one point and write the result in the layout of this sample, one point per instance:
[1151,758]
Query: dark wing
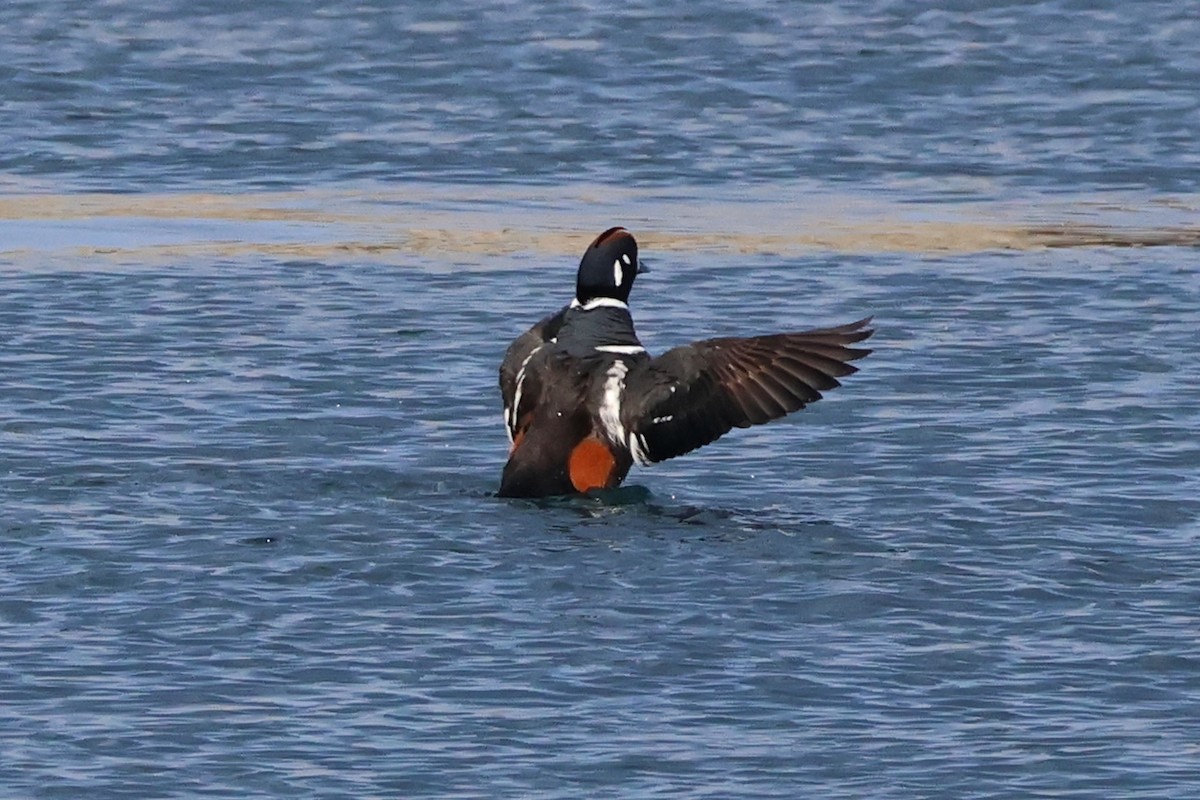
[691,395]
[511,368]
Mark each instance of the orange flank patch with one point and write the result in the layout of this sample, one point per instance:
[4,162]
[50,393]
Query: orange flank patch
[590,465]
[516,442]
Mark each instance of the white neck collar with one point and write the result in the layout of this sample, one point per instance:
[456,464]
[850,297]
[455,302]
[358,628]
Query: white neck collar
[599,302]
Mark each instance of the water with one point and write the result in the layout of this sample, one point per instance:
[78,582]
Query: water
[115,95]
[259,267]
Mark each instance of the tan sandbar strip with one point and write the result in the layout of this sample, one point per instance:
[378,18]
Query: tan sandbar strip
[473,222]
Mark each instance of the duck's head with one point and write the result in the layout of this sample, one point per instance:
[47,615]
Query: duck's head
[608,267]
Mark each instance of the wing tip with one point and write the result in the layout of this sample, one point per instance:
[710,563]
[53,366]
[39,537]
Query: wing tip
[859,329]
[843,335]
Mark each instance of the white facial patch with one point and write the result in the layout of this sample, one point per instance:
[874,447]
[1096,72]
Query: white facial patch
[617,273]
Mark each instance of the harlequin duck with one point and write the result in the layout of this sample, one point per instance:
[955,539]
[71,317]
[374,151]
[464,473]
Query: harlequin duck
[583,400]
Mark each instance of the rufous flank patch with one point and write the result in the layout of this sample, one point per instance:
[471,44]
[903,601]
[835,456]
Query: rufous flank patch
[590,465]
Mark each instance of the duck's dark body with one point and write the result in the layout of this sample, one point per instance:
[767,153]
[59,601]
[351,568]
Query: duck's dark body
[583,400]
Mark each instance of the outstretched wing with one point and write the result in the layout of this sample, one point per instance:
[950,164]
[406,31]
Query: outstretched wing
[517,401]
[691,395]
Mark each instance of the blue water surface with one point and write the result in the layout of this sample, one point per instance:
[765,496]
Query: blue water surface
[960,99]
[249,543]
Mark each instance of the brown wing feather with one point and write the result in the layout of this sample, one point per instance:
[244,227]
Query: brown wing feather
[691,395]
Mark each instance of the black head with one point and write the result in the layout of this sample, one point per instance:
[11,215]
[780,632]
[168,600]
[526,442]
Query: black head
[608,267]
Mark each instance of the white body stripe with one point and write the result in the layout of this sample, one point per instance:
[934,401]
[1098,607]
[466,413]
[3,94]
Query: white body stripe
[510,414]
[610,405]
[621,349]
[638,447]
[610,414]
